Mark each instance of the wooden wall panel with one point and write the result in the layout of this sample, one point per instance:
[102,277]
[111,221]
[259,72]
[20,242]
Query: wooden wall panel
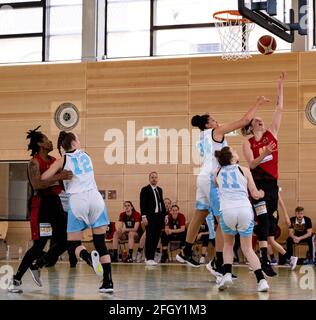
[307,66]
[127,128]
[307,186]
[239,97]
[43,77]
[134,183]
[111,182]
[259,68]
[38,105]
[307,131]
[307,91]
[100,166]
[307,152]
[16,130]
[138,74]
[149,101]
[164,93]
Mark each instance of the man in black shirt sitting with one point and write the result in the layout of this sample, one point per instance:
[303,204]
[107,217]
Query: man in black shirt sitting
[301,231]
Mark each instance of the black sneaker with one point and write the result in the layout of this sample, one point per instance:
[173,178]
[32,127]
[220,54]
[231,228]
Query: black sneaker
[267,269]
[107,287]
[192,263]
[180,257]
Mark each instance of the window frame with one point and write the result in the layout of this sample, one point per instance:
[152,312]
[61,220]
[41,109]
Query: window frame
[42,35]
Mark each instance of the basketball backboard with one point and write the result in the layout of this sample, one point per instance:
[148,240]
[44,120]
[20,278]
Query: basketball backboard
[276,16]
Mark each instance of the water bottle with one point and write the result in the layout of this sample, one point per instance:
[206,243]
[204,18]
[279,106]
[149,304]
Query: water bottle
[8,253]
[20,253]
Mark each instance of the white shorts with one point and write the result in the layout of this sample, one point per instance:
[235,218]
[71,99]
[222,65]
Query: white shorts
[207,196]
[86,209]
[237,220]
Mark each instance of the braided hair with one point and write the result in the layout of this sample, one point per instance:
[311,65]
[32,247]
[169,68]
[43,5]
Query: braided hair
[35,138]
[65,140]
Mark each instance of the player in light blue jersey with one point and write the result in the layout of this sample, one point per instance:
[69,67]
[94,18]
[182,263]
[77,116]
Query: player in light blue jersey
[237,215]
[86,207]
[212,138]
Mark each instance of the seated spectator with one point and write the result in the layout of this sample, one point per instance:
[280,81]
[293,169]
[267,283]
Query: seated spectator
[204,237]
[300,231]
[127,228]
[168,205]
[174,231]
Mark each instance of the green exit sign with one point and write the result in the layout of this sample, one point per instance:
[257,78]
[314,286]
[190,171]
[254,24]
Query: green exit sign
[150,132]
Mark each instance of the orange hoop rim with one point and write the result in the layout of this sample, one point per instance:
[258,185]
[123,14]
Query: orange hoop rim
[239,17]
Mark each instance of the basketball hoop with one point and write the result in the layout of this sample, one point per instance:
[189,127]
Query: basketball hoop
[234,31]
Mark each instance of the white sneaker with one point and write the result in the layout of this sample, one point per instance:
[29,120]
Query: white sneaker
[293,262]
[225,282]
[213,272]
[97,266]
[263,286]
[14,286]
[157,257]
[138,258]
[151,263]
[202,260]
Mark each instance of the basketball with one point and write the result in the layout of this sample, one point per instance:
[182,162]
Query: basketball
[266,45]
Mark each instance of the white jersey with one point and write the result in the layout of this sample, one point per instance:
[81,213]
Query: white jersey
[233,187]
[207,147]
[83,176]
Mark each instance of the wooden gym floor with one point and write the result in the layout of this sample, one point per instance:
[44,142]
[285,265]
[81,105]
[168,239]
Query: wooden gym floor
[164,282]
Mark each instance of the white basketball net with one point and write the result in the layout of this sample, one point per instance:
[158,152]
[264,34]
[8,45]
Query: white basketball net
[234,34]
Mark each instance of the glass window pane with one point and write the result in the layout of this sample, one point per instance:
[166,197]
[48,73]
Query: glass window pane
[20,50]
[65,20]
[128,16]
[187,41]
[14,21]
[66,47]
[173,12]
[64,2]
[14,1]
[128,44]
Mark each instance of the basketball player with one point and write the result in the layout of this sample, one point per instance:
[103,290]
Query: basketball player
[212,138]
[86,207]
[261,153]
[47,217]
[237,214]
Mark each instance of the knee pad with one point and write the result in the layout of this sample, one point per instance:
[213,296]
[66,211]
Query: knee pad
[99,244]
[262,229]
[72,245]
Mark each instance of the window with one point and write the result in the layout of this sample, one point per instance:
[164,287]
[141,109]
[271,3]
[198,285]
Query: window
[128,28]
[22,31]
[64,30]
[34,31]
[173,27]
[15,191]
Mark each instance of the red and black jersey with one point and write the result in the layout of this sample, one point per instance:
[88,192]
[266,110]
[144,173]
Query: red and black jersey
[43,166]
[130,220]
[175,223]
[268,168]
